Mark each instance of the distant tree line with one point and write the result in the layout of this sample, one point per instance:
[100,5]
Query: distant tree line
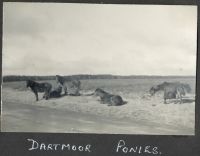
[24,78]
[40,78]
[11,78]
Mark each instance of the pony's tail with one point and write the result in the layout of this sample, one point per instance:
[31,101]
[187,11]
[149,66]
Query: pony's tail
[87,94]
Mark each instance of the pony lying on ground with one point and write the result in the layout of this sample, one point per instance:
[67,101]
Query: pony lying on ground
[39,87]
[110,99]
[56,92]
[172,90]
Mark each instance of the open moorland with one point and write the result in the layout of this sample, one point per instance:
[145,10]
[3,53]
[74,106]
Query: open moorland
[84,114]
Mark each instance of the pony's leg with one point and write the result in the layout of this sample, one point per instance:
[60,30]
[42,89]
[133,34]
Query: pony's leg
[44,95]
[179,96]
[65,89]
[181,99]
[165,97]
[47,95]
[165,101]
[36,95]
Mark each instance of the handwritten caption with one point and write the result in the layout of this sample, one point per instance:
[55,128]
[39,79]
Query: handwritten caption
[35,145]
[123,148]
[120,147]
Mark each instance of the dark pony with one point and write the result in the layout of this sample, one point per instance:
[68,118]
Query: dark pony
[71,86]
[172,90]
[39,87]
[110,99]
[56,92]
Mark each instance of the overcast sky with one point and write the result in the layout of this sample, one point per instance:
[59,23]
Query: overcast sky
[57,38]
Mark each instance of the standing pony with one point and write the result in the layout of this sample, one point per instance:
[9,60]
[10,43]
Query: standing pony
[39,87]
[71,86]
[171,90]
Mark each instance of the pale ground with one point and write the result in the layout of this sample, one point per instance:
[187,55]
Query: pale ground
[84,114]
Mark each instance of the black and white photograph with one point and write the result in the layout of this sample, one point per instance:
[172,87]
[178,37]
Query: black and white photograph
[99,68]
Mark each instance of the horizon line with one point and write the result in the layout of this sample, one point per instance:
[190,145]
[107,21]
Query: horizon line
[108,75]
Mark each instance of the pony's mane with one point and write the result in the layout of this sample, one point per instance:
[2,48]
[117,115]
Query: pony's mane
[31,81]
[100,90]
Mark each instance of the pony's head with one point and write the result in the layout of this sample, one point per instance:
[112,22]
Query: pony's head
[98,92]
[29,83]
[60,79]
[153,90]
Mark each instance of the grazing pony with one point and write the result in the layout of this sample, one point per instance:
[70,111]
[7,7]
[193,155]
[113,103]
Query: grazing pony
[71,86]
[39,87]
[172,90]
[110,99]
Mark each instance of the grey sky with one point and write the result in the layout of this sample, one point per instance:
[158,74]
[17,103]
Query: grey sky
[57,38]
